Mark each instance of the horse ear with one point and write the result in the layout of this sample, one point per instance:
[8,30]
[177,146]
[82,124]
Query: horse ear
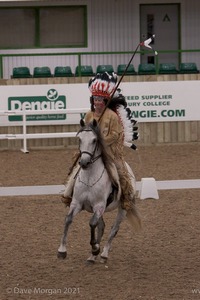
[94,123]
[82,123]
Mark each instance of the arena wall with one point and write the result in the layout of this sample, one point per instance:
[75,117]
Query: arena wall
[113,26]
[150,133]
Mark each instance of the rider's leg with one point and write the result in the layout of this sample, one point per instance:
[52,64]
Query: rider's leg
[67,195]
[128,193]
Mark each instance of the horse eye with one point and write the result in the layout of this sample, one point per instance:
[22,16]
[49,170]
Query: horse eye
[94,141]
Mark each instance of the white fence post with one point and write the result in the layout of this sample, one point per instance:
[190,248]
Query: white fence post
[24,133]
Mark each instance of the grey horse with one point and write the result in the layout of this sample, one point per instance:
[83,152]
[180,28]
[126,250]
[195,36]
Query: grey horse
[96,191]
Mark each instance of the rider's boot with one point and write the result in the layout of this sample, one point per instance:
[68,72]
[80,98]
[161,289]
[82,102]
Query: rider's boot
[68,192]
[66,199]
[67,195]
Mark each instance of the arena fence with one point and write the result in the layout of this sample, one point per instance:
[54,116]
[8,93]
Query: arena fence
[25,136]
[147,194]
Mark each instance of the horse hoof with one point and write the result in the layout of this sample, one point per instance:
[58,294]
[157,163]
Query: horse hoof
[91,259]
[62,255]
[103,260]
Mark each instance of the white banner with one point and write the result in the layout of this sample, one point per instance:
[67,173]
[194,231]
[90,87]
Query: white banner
[163,101]
[148,101]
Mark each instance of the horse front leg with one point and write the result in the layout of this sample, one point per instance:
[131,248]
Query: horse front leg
[120,217]
[62,250]
[96,222]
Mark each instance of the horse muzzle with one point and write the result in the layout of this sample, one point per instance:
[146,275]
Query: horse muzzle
[85,161]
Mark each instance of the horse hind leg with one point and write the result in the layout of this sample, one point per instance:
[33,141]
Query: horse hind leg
[95,243]
[120,217]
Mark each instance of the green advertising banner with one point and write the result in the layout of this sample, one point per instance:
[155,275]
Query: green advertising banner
[51,101]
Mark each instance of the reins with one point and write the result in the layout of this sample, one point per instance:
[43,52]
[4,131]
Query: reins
[91,185]
[91,155]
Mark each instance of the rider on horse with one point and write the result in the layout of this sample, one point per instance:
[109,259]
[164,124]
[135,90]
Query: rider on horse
[112,125]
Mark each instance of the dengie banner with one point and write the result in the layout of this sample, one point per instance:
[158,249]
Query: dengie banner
[149,102]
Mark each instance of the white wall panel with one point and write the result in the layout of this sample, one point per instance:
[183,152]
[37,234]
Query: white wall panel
[38,61]
[114,25]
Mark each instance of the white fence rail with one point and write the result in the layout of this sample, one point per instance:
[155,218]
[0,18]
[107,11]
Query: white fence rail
[25,136]
[58,189]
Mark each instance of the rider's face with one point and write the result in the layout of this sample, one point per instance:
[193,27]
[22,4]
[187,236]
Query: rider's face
[99,102]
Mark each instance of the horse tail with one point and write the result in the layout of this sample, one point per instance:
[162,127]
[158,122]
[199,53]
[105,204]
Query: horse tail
[134,218]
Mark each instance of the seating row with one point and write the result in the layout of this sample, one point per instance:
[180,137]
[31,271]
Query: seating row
[143,69]
[168,68]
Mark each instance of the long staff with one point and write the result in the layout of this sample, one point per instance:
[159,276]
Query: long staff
[145,44]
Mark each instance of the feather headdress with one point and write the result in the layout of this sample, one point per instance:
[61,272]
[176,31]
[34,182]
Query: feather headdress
[119,105]
[103,85]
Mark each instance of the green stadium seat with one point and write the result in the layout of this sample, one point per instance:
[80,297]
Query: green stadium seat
[105,68]
[21,72]
[39,72]
[63,72]
[146,69]
[129,71]
[84,71]
[167,68]
[188,68]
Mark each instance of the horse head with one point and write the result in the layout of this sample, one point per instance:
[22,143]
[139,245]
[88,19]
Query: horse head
[88,143]
[92,124]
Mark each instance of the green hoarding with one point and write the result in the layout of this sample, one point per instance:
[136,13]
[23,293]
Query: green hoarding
[50,102]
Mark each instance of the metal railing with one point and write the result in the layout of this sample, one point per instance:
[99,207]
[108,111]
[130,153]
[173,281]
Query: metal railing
[80,54]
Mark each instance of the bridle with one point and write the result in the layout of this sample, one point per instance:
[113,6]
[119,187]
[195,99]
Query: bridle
[93,159]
